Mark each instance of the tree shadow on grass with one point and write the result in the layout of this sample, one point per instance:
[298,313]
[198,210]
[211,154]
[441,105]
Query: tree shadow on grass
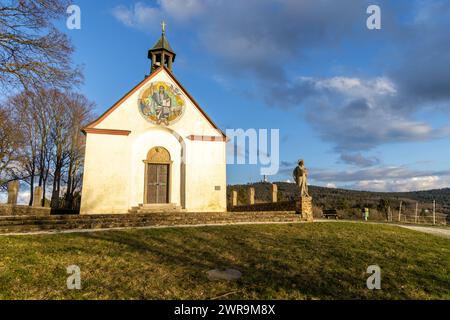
[271,262]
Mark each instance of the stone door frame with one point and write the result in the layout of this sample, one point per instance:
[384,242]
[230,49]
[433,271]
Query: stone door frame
[158,156]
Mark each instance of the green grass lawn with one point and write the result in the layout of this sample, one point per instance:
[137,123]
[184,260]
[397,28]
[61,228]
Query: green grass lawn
[299,261]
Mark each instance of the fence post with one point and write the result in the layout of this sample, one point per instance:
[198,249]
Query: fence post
[37,197]
[13,192]
[389,214]
[274,193]
[434,212]
[400,212]
[251,196]
[417,212]
[234,200]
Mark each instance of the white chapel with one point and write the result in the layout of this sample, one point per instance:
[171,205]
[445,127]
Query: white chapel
[155,149]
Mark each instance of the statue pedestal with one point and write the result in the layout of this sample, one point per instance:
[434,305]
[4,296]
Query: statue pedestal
[305,208]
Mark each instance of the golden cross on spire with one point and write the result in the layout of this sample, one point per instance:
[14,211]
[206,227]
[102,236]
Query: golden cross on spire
[163,26]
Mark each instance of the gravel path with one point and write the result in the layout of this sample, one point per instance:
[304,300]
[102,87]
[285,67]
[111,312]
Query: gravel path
[434,231]
[440,232]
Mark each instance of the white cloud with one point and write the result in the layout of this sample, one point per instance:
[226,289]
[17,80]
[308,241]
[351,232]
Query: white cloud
[222,81]
[359,160]
[145,17]
[138,16]
[182,9]
[358,114]
[403,185]
[384,179]
[375,173]
[358,88]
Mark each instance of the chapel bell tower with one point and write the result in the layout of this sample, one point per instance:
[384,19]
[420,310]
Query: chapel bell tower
[162,53]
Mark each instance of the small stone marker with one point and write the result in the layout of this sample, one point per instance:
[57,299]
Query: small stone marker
[37,197]
[234,200]
[227,274]
[13,192]
[274,193]
[251,196]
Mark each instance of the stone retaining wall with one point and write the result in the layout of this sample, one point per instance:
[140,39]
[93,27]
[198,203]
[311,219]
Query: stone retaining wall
[10,210]
[22,224]
[265,207]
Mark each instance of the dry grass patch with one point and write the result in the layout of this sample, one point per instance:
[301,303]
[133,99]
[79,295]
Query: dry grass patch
[298,261]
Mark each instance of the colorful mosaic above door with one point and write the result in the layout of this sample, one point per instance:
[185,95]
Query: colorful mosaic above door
[162,103]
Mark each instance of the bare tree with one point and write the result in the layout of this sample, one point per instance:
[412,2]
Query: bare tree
[40,109]
[32,51]
[60,130]
[10,144]
[36,56]
[27,106]
[80,110]
[51,154]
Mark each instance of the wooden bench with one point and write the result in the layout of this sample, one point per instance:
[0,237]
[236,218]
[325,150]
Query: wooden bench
[330,214]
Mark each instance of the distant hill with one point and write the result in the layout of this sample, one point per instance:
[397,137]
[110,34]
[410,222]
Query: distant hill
[341,198]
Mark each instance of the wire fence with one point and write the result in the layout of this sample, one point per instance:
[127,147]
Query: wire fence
[422,214]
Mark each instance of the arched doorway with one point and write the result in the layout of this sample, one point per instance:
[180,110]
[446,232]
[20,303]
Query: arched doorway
[157,176]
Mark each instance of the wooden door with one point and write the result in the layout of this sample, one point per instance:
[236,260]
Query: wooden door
[158,184]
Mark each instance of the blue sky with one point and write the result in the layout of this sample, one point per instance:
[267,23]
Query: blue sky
[365,109]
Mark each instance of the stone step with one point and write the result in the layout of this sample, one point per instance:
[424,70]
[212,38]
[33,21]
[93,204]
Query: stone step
[162,205]
[69,217]
[162,215]
[56,224]
[156,208]
[109,226]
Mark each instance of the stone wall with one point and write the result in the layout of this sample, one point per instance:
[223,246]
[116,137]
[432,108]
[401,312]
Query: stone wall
[265,207]
[60,223]
[304,206]
[9,210]
[274,207]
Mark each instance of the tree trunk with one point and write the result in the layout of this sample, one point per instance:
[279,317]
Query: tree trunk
[31,188]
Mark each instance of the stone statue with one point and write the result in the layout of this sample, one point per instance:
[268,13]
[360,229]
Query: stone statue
[301,178]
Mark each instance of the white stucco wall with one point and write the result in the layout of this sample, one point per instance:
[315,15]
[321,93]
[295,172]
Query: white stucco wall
[114,168]
[105,182]
[205,170]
